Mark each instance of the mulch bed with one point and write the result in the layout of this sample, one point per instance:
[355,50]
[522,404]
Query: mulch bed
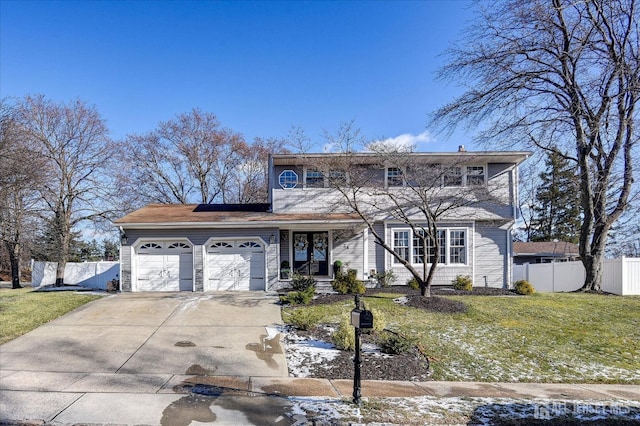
[375,366]
[412,365]
[415,300]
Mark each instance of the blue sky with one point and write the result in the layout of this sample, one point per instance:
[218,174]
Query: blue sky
[261,67]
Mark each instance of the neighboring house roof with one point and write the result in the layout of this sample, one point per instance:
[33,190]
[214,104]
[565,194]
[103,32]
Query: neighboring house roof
[188,215]
[560,248]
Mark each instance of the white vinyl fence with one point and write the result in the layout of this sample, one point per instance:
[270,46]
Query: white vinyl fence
[620,276]
[87,274]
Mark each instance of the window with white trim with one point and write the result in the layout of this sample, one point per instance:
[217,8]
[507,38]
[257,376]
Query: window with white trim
[457,246]
[453,176]
[452,244]
[288,179]
[401,245]
[475,175]
[338,177]
[314,179]
[418,247]
[394,176]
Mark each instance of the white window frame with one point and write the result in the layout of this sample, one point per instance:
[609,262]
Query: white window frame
[408,247]
[312,171]
[288,176]
[451,246]
[447,248]
[388,179]
[469,173]
[466,172]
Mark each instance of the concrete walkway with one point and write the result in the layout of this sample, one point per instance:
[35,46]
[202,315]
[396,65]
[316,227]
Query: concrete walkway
[171,359]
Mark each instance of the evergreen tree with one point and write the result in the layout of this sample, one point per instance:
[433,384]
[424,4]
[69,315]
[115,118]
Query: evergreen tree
[557,211]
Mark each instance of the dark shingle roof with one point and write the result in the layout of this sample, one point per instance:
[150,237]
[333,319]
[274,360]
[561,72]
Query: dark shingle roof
[185,214]
[545,248]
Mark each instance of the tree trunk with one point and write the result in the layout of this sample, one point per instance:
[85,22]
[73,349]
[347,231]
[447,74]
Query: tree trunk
[592,260]
[425,289]
[593,280]
[14,259]
[60,273]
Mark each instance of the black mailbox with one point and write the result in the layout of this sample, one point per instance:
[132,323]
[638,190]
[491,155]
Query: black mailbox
[361,318]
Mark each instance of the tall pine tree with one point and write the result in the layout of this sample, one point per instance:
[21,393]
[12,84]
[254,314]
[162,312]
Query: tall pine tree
[557,211]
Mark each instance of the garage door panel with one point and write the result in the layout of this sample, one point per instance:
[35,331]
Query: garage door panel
[235,265]
[169,267]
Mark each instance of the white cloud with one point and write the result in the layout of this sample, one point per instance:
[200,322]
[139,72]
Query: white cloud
[404,143]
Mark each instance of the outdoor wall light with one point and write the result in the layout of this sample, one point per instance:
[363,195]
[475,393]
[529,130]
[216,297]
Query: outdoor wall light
[272,239]
[123,238]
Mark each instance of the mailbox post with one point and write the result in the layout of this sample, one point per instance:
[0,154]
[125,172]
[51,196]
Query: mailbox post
[360,319]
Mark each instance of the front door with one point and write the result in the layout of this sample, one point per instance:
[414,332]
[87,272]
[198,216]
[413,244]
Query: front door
[311,253]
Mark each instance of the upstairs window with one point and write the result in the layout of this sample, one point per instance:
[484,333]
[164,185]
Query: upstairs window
[315,179]
[337,177]
[475,175]
[394,176]
[453,176]
[288,179]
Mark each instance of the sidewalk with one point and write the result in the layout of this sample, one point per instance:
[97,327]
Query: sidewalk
[99,398]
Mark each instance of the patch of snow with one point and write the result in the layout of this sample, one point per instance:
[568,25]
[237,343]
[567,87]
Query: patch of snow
[304,354]
[459,410]
[401,300]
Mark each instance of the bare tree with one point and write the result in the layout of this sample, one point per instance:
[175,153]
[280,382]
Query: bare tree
[424,190]
[547,73]
[72,141]
[18,189]
[191,158]
[250,179]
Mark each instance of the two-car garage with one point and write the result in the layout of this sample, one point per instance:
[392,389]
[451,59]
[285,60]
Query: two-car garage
[230,264]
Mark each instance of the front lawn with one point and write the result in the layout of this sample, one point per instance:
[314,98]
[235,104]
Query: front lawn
[24,309]
[561,338]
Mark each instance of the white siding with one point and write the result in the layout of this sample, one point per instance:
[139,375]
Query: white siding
[351,252]
[492,256]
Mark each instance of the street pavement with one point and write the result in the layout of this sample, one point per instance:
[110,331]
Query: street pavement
[178,358]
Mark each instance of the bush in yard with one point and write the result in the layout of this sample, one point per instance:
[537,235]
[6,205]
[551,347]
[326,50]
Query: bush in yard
[379,320]
[348,283]
[523,287]
[301,297]
[392,343]
[385,279]
[413,284]
[344,337]
[463,282]
[302,319]
[302,282]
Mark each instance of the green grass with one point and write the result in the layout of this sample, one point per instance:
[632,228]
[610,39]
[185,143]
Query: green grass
[562,338]
[24,310]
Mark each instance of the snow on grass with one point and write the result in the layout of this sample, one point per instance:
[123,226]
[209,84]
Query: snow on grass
[304,355]
[490,353]
[477,411]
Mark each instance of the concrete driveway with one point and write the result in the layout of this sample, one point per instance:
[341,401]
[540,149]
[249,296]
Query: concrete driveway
[140,343]
[223,334]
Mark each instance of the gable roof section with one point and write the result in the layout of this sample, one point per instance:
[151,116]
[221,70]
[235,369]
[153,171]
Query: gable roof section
[220,215]
[550,248]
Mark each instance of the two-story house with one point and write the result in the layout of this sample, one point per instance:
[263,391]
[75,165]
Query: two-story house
[328,207]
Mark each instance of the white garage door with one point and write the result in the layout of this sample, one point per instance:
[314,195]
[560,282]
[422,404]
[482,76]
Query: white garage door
[235,265]
[164,266]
